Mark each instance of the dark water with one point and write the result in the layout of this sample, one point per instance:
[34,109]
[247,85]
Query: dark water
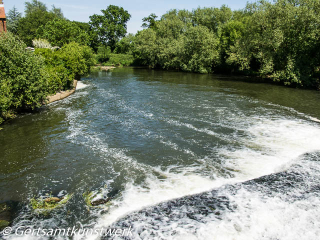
[144,137]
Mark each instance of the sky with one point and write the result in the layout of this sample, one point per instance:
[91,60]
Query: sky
[80,10]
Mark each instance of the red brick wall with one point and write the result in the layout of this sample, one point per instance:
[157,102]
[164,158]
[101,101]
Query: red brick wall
[3,25]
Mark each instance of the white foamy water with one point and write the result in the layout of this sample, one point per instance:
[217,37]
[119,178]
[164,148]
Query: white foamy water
[153,153]
[266,147]
[260,217]
[272,147]
[315,119]
[285,213]
[81,85]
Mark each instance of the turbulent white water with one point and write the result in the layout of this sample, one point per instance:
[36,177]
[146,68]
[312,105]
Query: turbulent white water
[81,85]
[267,145]
[176,146]
[272,147]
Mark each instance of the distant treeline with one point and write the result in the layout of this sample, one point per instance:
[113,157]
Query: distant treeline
[278,41]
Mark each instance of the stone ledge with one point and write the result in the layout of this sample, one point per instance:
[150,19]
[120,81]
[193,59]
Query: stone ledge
[61,95]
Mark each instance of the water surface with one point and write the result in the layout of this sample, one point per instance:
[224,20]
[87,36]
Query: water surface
[144,137]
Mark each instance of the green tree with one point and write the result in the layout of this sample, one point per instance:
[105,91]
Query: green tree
[57,12]
[230,33]
[125,45]
[23,83]
[211,18]
[150,21]
[280,42]
[201,50]
[171,25]
[76,58]
[34,6]
[146,49]
[60,31]
[103,53]
[13,18]
[83,26]
[36,15]
[109,27]
[277,41]
[93,39]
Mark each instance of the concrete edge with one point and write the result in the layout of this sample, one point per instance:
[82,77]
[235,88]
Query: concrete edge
[61,95]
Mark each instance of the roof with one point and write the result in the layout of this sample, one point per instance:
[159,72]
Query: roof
[2,13]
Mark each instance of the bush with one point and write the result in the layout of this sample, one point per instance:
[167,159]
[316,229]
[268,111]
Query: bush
[60,32]
[27,78]
[57,75]
[23,83]
[103,53]
[58,78]
[76,58]
[200,50]
[120,59]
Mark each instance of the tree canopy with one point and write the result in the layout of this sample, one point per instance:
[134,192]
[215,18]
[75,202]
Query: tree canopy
[13,18]
[276,41]
[109,27]
[150,21]
[60,31]
[36,15]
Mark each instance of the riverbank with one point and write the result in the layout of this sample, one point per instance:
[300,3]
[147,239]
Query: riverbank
[58,96]
[25,85]
[103,68]
[63,94]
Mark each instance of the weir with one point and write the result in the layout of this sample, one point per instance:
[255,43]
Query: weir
[159,150]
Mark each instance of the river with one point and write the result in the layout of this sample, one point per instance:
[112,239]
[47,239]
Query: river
[152,139]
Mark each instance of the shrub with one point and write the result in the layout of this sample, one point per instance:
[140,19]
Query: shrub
[57,75]
[22,80]
[120,59]
[58,78]
[60,32]
[103,53]
[76,58]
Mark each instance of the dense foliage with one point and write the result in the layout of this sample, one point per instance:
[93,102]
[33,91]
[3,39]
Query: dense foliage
[109,27]
[278,41]
[281,42]
[27,78]
[119,60]
[61,31]
[61,55]
[36,15]
[23,82]
[63,65]
[13,18]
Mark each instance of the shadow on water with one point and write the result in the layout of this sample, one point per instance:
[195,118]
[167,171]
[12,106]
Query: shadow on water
[302,100]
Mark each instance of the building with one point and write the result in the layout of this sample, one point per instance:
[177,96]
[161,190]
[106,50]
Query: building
[3,24]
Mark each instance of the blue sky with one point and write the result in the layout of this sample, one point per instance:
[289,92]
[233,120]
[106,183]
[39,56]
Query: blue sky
[80,10]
